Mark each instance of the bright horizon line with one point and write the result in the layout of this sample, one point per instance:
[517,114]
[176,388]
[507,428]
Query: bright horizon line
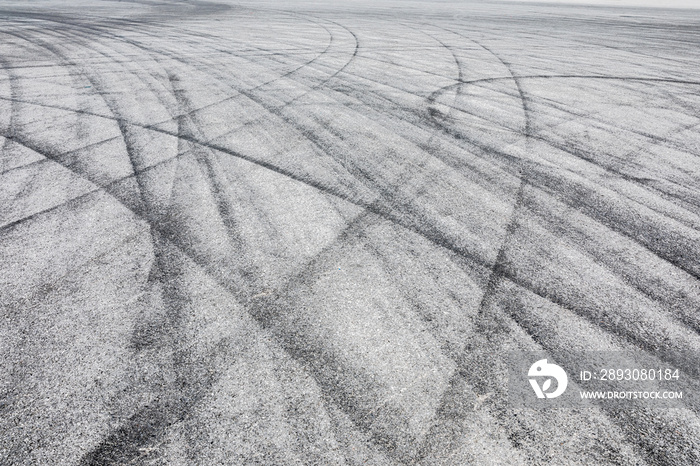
[690,4]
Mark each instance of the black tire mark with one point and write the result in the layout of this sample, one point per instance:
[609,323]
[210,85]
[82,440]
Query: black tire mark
[147,49]
[489,150]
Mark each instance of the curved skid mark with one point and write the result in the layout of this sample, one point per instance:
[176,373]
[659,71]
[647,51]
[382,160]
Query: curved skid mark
[140,46]
[121,124]
[438,239]
[321,186]
[499,273]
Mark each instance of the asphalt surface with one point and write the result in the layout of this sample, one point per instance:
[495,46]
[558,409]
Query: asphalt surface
[309,233]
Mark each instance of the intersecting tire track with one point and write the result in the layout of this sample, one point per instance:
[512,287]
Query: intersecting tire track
[171,249]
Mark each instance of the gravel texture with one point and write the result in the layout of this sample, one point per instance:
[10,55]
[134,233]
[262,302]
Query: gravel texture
[308,233]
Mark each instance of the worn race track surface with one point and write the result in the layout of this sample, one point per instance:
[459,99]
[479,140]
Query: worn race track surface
[308,233]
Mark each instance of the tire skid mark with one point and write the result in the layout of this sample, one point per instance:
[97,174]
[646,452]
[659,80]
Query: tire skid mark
[277,111]
[131,151]
[164,273]
[365,175]
[573,76]
[300,178]
[370,209]
[266,165]
[132,437]
[358,173]
[439,240]
[188,129]
[14,93]
[434,114]
[592,212]
[176,57]
[136,438]
[498,268]
[494,283]
[562,228]
[391,446]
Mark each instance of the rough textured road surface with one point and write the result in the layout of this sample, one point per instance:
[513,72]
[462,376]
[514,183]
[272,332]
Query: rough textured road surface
[308,233]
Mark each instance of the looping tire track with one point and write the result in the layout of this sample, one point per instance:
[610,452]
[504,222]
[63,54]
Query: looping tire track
[126,442]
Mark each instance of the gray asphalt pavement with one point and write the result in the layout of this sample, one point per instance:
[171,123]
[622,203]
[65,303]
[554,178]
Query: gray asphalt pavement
[309,233]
